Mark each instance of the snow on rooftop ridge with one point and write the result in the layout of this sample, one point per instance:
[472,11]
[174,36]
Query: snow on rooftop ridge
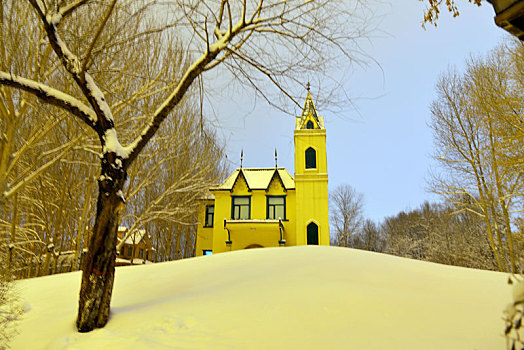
[131,238]
[257,178]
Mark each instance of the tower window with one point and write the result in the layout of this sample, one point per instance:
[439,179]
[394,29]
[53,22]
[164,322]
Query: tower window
[210,214]
[240,208]
[312,234]
[276,207]
[311,158]
[310,125]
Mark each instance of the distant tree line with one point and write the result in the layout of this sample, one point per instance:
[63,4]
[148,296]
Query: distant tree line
[433,232]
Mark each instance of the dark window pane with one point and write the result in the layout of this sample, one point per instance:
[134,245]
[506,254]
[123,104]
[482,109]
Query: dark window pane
[312,234]
[210,214]
[311,158]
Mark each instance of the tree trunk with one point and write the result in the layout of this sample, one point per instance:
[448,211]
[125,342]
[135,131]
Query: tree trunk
[98,272]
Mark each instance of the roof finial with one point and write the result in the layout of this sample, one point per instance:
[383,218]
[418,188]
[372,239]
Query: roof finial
[276,163]
[241,157]
[308,86]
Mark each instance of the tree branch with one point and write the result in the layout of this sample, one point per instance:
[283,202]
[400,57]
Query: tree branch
[51,96]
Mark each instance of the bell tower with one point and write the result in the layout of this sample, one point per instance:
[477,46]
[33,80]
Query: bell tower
[311,178]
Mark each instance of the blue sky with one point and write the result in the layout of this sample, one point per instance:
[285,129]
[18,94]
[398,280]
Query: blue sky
[381,145]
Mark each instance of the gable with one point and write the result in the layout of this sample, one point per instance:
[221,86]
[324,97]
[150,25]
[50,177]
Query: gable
[276,186]
[240,185]
[245,180]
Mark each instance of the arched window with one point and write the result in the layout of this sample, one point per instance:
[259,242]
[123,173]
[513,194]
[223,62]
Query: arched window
[310,125]
[312,234]
[311,158]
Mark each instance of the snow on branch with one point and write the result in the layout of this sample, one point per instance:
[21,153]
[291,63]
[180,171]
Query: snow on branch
[51,96]
[74,66]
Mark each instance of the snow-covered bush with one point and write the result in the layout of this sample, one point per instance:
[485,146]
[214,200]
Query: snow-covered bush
[513,315]
[10,309]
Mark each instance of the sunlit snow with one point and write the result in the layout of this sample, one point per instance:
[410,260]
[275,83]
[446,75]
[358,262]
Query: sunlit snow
[281,298]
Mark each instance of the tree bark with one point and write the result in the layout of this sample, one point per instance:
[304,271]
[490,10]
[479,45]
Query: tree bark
[98,272]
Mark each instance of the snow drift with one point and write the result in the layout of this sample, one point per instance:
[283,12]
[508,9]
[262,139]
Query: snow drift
[279,298]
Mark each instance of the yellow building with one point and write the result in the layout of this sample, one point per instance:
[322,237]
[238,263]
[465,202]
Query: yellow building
[267,207]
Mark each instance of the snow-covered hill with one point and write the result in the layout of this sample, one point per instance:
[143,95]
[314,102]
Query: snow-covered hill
[282,298]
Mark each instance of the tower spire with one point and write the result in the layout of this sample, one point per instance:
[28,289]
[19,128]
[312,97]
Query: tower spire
[309,113]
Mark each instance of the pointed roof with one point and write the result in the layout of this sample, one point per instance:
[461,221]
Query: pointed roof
[309,110]
[258,178]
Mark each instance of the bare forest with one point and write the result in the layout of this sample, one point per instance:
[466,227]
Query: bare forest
[477,122]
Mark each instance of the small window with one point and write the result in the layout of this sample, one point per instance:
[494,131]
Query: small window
[122,252]
[210,215]
[130,251]
[207,252]
[240,208]
[276,207]
[141,253]
[311,158]
[310,125]
[312,234]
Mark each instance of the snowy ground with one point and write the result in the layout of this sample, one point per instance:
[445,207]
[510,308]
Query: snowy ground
[281,298]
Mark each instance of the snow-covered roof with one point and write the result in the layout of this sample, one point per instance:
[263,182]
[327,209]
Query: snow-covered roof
[133,238]
[136,261]
[207,196]
[258,178]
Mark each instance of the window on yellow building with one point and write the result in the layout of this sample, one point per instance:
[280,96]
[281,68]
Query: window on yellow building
[207,252]
[240,207]
[310,125]
[210,214]
[276,207]
[141,253]
[311,158]
[130,251]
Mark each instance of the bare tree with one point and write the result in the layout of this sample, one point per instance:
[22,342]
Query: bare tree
[369,238]
[347,206]
[475,118]
[436,232]
[275,40]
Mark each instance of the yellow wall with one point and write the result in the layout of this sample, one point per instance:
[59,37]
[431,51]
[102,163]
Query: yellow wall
[204,234]
[258,230]
[311,185]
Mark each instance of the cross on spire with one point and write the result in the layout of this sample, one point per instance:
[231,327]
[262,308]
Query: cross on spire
[308,86]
